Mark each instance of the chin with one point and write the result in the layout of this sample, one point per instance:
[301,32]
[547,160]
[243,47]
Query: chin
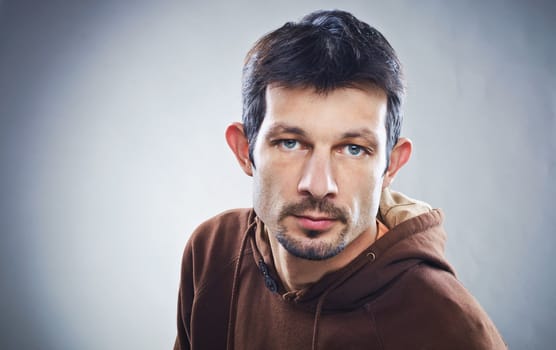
[312,247]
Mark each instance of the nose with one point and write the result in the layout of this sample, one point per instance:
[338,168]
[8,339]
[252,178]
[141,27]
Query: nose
[317,178]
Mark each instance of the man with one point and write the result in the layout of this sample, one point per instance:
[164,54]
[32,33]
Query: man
[329,257]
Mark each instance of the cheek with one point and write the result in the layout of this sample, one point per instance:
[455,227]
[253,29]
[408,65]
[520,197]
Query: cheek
[267,190]
[365,191]
[260,193]
[277,177]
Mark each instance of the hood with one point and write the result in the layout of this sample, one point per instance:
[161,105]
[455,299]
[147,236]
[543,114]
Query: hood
[415,236]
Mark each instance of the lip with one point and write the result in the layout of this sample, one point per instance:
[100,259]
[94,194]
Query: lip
[315,223]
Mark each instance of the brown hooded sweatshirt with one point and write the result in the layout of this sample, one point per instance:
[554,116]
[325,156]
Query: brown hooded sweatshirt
[400,293]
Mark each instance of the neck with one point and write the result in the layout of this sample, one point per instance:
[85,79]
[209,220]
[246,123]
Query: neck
[297,273]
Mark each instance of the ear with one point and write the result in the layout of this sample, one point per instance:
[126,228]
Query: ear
[398,157]
[238,143]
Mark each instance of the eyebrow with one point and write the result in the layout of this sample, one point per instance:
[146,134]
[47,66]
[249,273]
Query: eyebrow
[363,133]
[281,128]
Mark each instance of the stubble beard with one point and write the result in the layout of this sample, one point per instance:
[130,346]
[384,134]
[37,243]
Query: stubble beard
[315,249]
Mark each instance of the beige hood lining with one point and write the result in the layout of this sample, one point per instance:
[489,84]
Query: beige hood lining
[396,208]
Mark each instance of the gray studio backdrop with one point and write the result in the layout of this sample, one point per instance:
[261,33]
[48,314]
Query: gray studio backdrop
[112,120]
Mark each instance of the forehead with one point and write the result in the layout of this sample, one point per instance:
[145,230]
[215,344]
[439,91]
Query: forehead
[334,111]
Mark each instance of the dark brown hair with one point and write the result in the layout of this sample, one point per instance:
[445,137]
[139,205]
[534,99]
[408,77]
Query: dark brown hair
[325,50]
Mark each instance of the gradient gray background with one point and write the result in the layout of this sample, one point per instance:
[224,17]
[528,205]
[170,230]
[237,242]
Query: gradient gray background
[112,150]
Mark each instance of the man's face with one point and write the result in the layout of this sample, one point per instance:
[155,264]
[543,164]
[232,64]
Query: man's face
[320,160]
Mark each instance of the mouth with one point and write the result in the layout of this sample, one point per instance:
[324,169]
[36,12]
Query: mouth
[315,223]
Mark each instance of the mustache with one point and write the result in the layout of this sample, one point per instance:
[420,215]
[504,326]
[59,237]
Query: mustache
[323,206]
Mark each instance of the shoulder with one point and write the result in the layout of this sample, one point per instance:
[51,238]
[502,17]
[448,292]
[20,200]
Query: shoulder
[451,310]
[225,223]
[213,248]
[436,310]
[441,291]
[220,234]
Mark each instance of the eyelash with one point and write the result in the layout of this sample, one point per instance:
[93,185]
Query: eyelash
[361,150]
[282,143]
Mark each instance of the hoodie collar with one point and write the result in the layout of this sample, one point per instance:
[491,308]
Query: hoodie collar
[416,236]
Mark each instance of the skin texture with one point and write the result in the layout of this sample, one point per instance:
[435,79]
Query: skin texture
[320,161]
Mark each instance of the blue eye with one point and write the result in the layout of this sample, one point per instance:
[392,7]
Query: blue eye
[354,150]
[289,144]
